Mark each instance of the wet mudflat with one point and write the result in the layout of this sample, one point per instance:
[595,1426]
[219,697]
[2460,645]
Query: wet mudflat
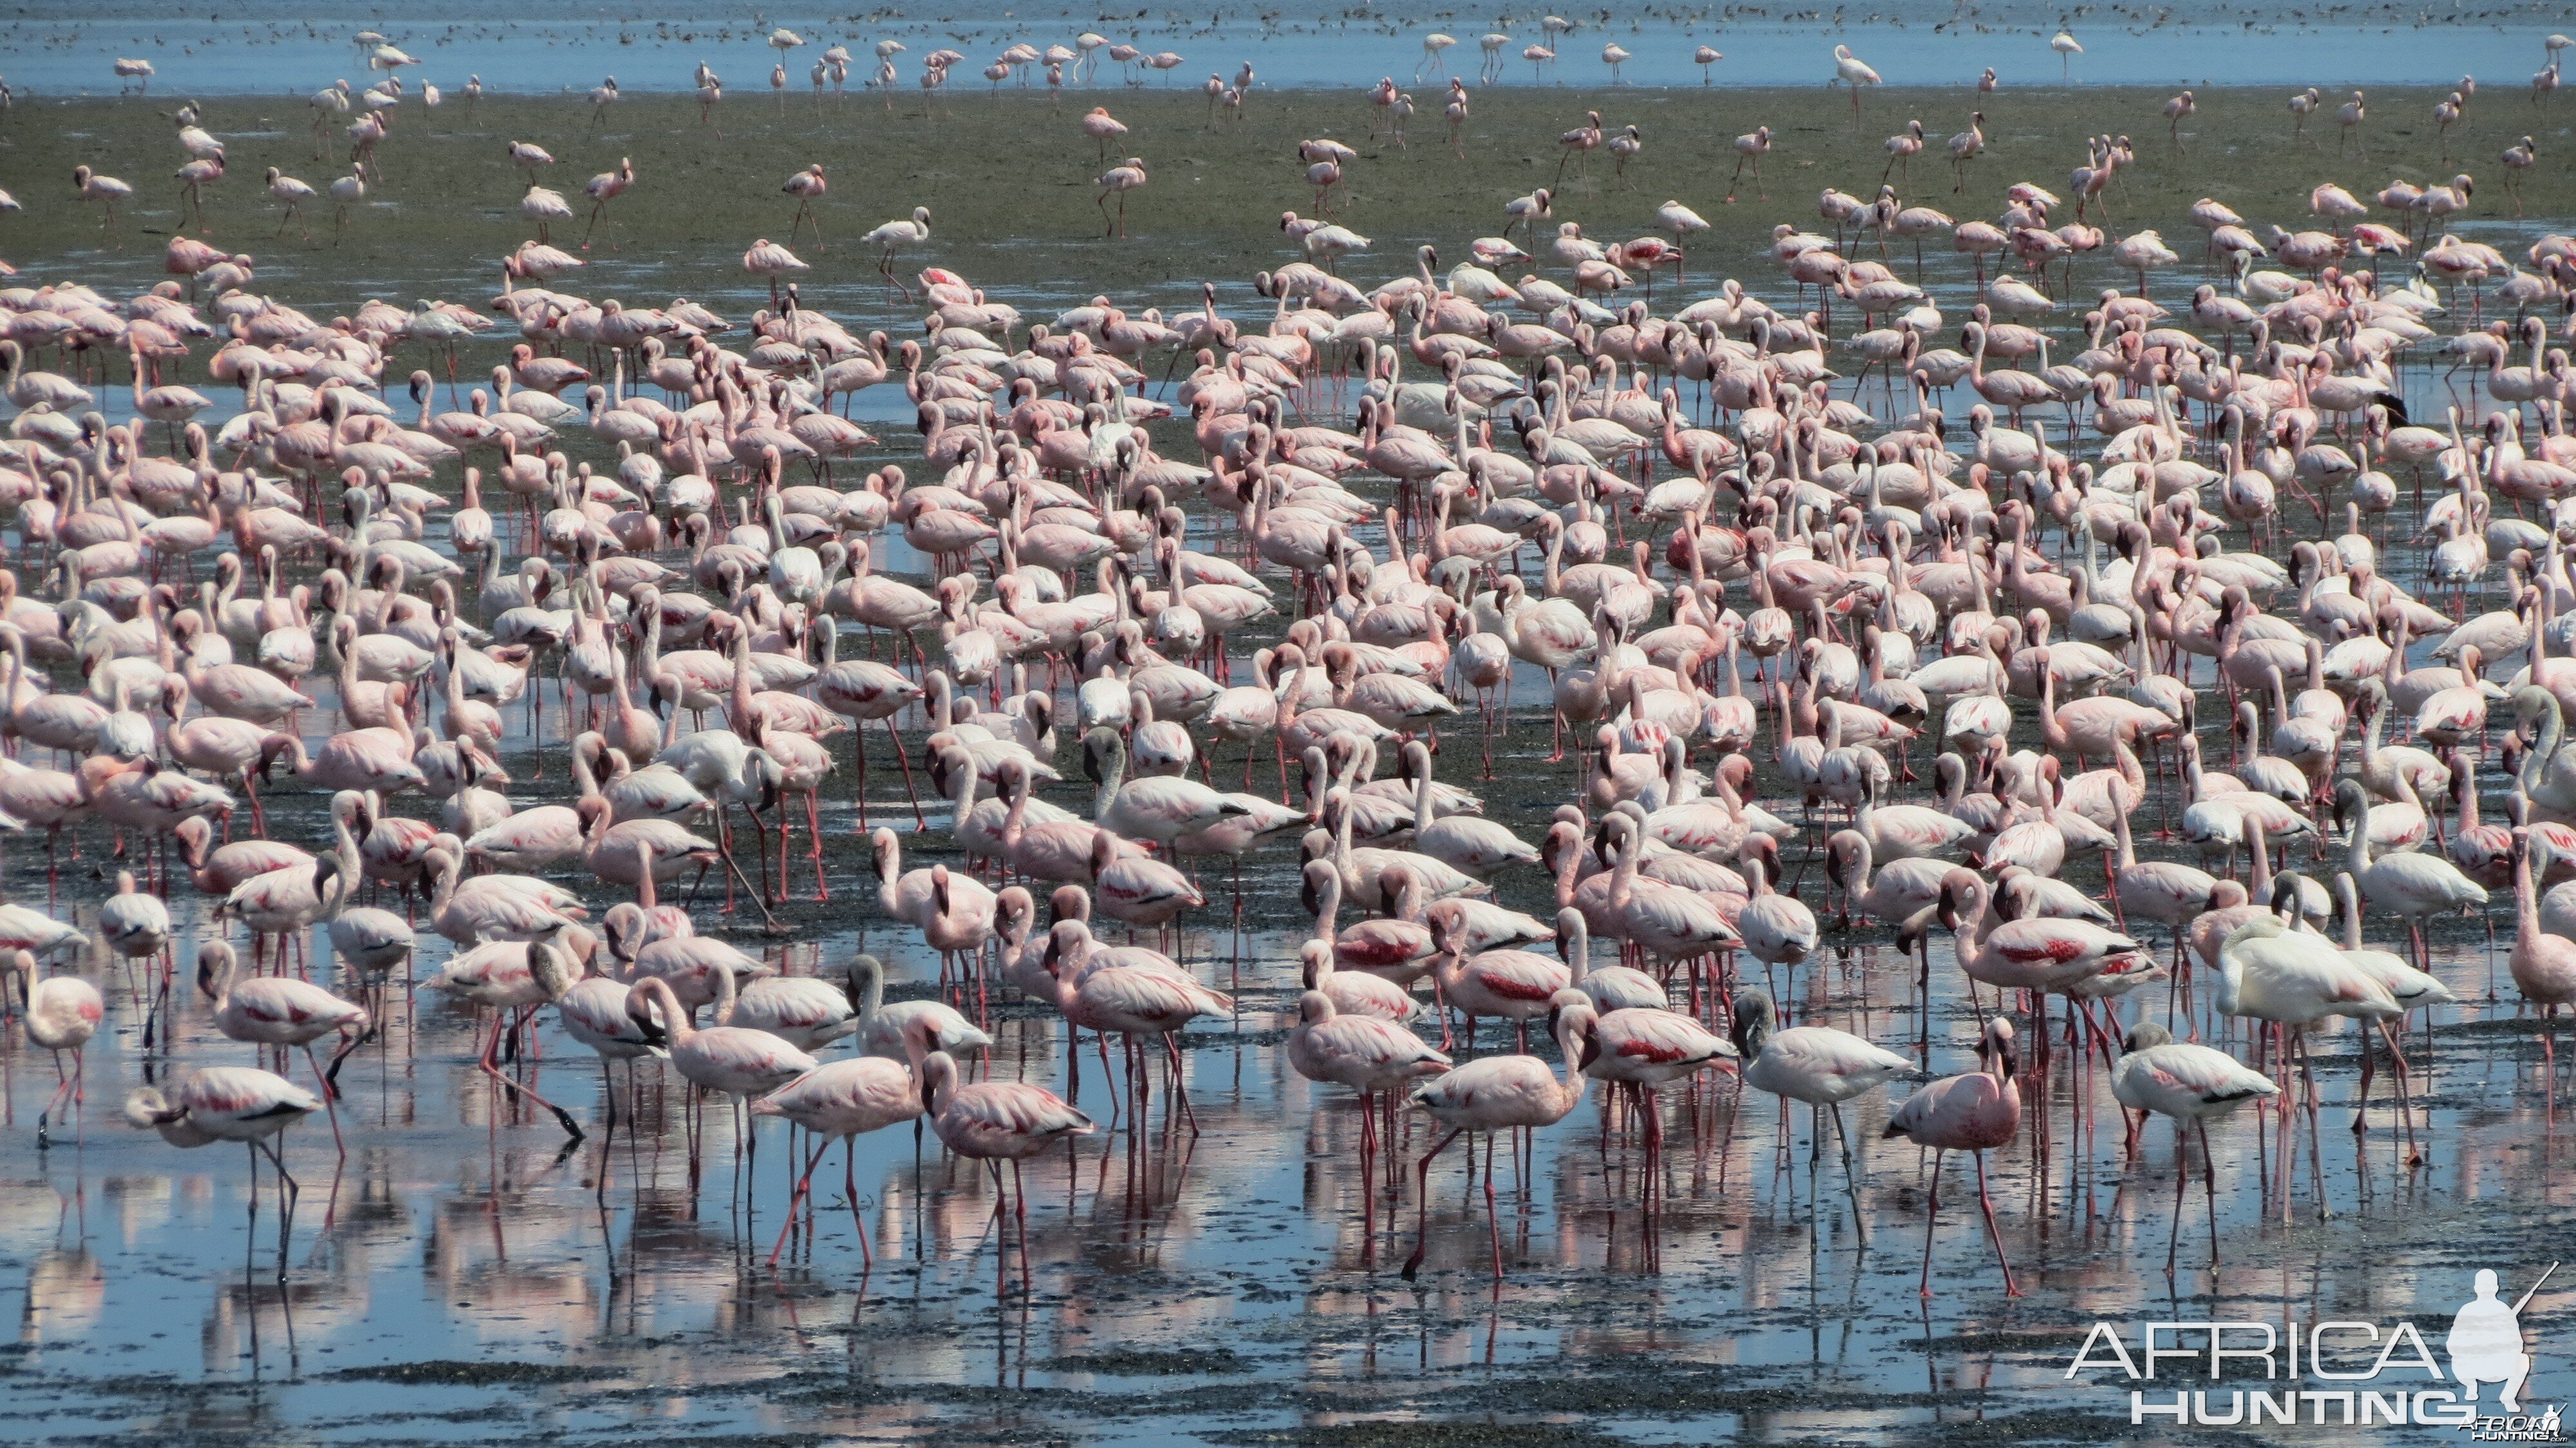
[559,48]
[464,1278]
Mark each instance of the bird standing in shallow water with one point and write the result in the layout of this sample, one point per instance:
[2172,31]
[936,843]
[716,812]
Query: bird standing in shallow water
[63,1012]
[231,1103]
[2190,1083]
[1498,1093]
[1975,1113]
[995,1122]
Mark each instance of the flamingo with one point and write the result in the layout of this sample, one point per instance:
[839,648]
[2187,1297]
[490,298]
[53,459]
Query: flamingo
[1365,1053]
[864,691]
[593,1012]
[63,1012]
[1643,1049]
[1499,1093]
[1610,988]
[2411,885]
[1818,1065]
[1130,1000]
[1468,843]
[994,1122]
[1516,985]
[2543,965]
[1118,180]
[605,187]
[1159,808]
[510,976]
[284,903]
[1778,929]
[884,1026]
[2189,1083]
[844,1100]
[282,1012]
[230,1103]
[1853,73]
[725,1059]
[1661,920]
[897,235]
[2284,978]
[495,907]
[1973,1112]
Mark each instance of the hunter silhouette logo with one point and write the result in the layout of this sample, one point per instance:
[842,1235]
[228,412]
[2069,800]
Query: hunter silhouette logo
[2486,1342]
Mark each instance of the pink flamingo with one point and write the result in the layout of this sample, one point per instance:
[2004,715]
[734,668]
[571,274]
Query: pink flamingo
[1132,1001]
[1134,890]
[1517,985]
[495,907]
[1118,180]
[1818,1065]
[733,1061]
[605,187]
[2188,1083]
[376,759]
[1370,1055]
[226,748]
[843,1100]
[1354,992]
[63,1012]
[593,1012]
[1396,950]
[50,799]
[272,1010]
[994,1122]
[882,1024]
[2543,965]
[807,186]
[1973,1112]
[864,692]
[696,967]
[230,1103]
[511,977]
[218,870]
[951,911]
[1056,850]
[1499,1093]
[1644,1048]
[285,903]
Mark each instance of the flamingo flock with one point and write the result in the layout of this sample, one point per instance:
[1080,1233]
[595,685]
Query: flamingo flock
[1971,636]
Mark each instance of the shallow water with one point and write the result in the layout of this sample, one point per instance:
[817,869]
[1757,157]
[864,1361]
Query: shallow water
[462,1278]
[552,49]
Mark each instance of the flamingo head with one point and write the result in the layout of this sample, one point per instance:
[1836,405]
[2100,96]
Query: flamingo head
[1751,1026]
[1314,1008]
[1995,1045]
[215,961]
[146,1109]
[1314,961]
[1069,941]
[1572,1018]
[1962,893]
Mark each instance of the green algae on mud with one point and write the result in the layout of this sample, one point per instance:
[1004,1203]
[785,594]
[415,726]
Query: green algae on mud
[1010,181]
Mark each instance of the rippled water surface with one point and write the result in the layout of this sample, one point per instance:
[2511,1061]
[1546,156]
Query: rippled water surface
[554,48]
